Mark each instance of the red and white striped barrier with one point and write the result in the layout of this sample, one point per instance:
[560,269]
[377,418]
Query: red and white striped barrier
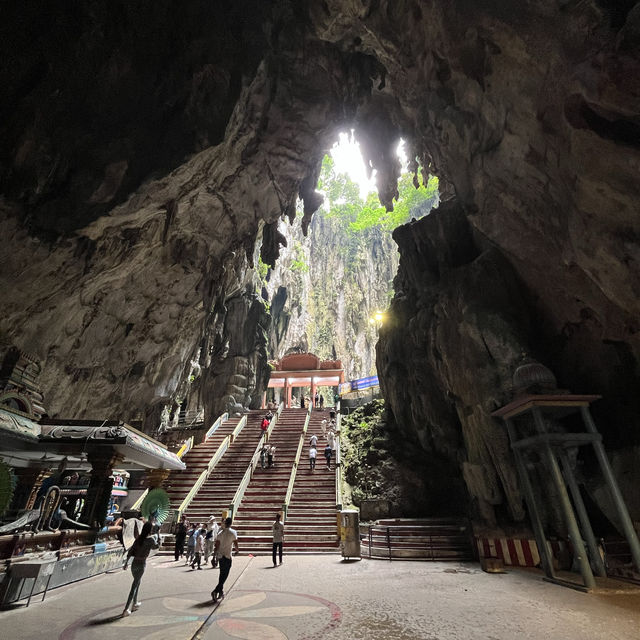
[517,552]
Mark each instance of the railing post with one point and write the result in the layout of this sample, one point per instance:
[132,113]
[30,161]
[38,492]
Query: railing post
[389,543]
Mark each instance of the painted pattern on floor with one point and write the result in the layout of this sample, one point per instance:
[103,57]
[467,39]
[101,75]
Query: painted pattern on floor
[244,614]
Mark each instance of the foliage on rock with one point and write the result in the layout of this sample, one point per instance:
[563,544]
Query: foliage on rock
[380,464]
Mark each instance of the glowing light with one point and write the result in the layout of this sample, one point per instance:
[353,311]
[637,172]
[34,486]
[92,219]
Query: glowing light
[348,159]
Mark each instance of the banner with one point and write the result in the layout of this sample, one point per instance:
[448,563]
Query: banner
[358,385]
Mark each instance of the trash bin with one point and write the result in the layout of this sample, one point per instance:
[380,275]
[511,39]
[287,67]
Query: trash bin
[350,533]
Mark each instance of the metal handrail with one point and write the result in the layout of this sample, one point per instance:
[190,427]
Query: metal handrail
[246,478]
[214,427]
[185,448]
[202,478]
[239,427]
[294,469]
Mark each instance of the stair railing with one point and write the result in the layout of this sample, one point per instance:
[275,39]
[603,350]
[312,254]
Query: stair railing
[184,449]
[338,466]
[220,451]
[246,478]
[214,427]
[294,469]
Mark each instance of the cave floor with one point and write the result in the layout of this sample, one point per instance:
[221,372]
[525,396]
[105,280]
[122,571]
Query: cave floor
[325,597]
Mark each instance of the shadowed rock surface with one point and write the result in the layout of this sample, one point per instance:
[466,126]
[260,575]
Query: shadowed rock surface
[144,152]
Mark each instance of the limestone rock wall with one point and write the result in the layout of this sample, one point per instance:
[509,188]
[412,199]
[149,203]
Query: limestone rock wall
[144,152]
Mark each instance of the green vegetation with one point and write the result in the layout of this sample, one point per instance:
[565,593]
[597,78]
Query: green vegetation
[357,215]
[364,446]
[299,263]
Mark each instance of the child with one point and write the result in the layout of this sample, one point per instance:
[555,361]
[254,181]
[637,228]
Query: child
[313,452]
[191,544]
[199,548]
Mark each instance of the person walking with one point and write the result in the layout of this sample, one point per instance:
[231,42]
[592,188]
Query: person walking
[327,455]
[226,541]
[321,402]
[264,454]
[181,535]
[191,544]
[199,550]
[313,453]
[316,400]
[139,551]
[210,541]
[313,441]
[278,537]
[271,456]
[264,425]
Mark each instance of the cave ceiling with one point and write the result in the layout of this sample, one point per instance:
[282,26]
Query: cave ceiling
[145,149]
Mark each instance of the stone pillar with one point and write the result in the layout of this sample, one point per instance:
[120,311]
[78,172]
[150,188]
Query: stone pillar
[94,512]
[314,388]
[264,400]
[287,388]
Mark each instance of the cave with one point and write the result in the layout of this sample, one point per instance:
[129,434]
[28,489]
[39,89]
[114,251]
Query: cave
[148,153]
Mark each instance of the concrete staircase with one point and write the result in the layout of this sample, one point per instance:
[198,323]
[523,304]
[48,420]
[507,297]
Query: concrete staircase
[179,483]
[217,492]
[267,490]
[311,524]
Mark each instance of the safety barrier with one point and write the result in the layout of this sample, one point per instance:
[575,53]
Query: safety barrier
[427,540]
[294,469]
[246,478]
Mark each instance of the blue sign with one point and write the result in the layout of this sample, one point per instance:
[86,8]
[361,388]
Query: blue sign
[364,383]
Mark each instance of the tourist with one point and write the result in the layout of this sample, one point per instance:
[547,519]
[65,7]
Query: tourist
[210,540]
[323,426]
[331,440]
[191,544]
[181,534]
[327,455]
[313,441]
[264,453]
[278,537]
[226,541]
[313,452]
[264,425]
[316,400]
[321,402]
[302,402]
[199,550]
[271,455]
[139,551]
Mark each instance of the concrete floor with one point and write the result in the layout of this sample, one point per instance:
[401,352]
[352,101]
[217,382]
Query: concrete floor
[326,598]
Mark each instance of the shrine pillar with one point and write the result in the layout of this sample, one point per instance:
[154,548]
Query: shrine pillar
[264,400]
[287,393]
[94,512]
[314,388]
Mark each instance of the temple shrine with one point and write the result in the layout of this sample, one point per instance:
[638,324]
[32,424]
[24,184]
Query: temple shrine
[300,370]
[64,484]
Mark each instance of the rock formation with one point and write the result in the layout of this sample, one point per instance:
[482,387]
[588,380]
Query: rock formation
[145,152]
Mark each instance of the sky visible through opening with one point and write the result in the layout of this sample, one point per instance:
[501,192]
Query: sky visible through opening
[348,159]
